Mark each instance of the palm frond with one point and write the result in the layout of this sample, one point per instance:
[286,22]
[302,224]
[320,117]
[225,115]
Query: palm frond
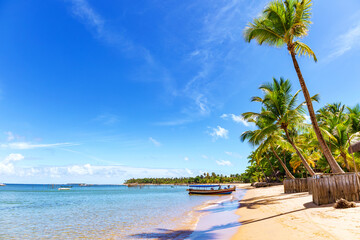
[261,31]
[301,49]
[256,99]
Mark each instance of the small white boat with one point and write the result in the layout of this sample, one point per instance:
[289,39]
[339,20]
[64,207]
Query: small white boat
[64,188]
[2,184]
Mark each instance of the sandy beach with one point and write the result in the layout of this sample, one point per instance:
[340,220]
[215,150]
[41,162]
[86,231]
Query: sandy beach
[268,213]
[265,213]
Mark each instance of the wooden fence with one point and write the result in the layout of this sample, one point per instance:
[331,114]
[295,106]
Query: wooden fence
[295,185]
[327,188]
[310,184]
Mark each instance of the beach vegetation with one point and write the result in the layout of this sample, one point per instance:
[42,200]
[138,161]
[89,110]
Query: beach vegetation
[284,24]
[204,178]
[279,111]
[285,145]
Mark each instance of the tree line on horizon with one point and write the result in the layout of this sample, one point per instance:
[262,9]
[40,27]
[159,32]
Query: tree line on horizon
[203,179]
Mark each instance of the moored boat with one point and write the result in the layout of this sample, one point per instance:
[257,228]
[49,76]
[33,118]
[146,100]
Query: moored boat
[210,189]
[61,188]
[2,184]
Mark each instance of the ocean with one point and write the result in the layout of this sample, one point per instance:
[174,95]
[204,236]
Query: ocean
[37,211]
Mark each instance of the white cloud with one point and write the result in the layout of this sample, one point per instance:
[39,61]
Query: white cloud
[216,51]
[216,48]
[156,143]
[223,163]
[96,24]
[219,132]
[186,158]
[204,156]
[201,102]
[7,166]
[235,118]
[82,9]
[88,173]
[307,119]
[13,157]
[27,145]
[234,155]
[189,171]
[86,169]
[10,136]
[346,41]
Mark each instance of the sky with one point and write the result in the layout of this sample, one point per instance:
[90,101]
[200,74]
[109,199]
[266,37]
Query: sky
[103,91]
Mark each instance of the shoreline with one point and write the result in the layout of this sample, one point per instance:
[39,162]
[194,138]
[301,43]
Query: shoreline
[211,218]
[265,212]
[199,222]
[220,220]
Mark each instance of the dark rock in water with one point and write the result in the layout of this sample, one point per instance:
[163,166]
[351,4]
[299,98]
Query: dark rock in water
[343,203]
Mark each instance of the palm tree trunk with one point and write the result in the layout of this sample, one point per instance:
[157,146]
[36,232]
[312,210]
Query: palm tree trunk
[262,170]
[261,178]
[343,155]
[304,162]
[272,168]
[288,173]
[325,149]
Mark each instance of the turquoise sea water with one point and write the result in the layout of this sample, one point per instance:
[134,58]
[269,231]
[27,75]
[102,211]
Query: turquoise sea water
[100,211]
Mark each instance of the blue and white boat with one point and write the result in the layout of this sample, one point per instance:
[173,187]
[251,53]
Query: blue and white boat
[210,189]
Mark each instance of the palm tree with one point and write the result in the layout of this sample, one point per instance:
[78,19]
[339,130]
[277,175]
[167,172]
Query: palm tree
[266,138]
[254,161]
[283,23]
[354,115]
[307,142]
[270,144]
[266,156]
[339,127]
[280,111]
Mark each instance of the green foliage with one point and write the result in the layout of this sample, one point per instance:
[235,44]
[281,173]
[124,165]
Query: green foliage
[205,178]
[340,125]
[283,23]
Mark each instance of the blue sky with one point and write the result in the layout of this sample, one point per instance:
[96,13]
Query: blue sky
[98,92]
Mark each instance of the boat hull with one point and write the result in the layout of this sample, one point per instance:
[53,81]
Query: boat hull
[209,192]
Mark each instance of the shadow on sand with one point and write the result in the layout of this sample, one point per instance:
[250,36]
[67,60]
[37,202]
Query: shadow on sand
[273,216]
[256,202]
[165,234]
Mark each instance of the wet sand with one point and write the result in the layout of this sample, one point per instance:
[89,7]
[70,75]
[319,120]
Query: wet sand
[268,213]
[220,220]
[214,219]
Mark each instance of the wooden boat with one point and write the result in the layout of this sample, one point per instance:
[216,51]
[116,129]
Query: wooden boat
[2,184]
[210,189]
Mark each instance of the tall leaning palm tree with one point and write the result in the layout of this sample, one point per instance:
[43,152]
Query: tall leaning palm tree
[282,23]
